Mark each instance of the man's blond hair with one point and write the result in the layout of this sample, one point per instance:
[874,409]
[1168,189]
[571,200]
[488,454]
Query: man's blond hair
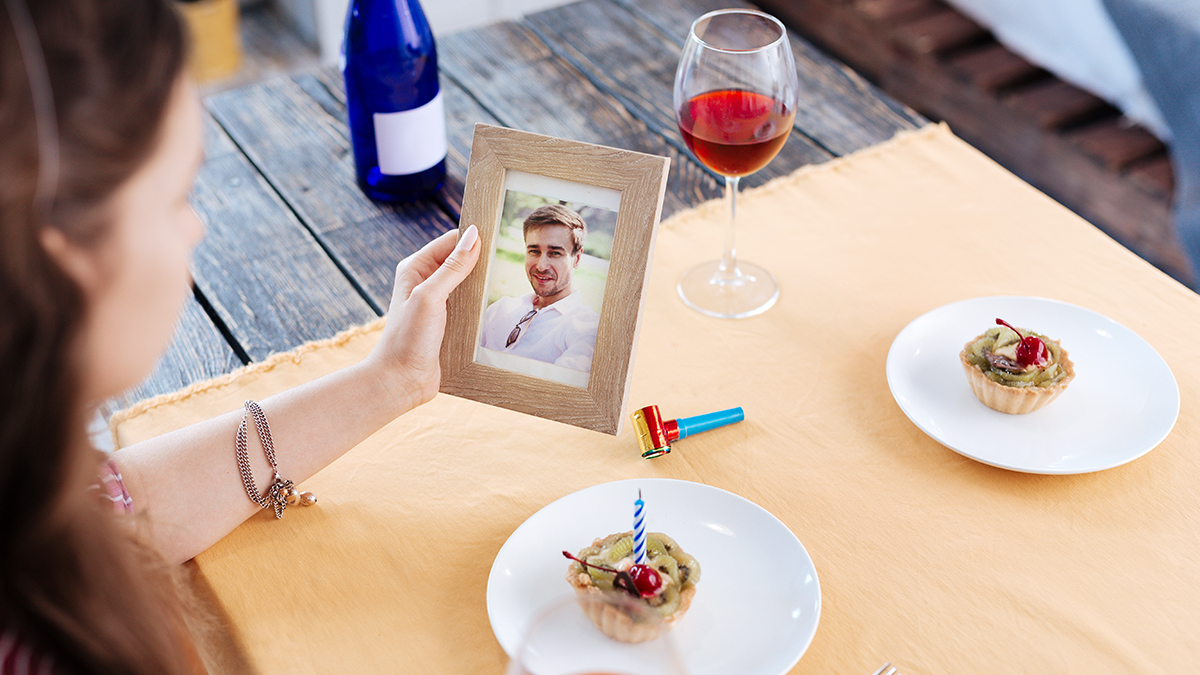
[557,214]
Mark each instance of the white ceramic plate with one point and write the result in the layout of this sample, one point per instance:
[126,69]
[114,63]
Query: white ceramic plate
[1122,403]
[758,600]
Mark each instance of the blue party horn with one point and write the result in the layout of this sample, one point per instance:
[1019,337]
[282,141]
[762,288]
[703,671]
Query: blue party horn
[656,435]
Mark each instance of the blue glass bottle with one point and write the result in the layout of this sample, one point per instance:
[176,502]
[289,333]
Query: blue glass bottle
[393,100]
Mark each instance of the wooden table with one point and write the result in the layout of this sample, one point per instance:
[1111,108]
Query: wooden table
[925,557]
[295,252]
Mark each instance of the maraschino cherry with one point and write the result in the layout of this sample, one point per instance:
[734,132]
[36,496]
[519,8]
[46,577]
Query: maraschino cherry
[642,580]
[1032,351]
[646,579]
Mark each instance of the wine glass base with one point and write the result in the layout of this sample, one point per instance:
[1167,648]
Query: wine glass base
[708,290]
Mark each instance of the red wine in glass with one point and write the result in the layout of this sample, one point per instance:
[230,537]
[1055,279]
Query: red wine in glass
[736,91]
[735,132]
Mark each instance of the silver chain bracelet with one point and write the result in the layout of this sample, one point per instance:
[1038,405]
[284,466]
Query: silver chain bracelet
[281,493]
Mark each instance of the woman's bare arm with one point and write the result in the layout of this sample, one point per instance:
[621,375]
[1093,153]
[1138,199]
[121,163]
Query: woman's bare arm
[187,482]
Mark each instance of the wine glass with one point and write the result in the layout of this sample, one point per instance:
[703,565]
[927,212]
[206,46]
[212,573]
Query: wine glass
[561,639]
[735,102]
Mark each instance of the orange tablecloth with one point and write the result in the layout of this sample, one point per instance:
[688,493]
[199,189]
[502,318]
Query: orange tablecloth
[927,558]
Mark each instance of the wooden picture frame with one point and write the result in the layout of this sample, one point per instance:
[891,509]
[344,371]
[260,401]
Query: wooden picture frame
[503,163]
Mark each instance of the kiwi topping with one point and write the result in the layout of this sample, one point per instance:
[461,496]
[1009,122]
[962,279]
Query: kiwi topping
[662,553]
[995,354]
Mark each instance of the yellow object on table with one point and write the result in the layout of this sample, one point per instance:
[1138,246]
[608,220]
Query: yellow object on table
[926,558]
[216,39]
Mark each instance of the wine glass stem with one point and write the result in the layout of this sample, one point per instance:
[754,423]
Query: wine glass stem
[728,271]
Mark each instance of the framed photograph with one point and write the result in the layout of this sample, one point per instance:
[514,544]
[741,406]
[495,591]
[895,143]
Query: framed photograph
[547,322]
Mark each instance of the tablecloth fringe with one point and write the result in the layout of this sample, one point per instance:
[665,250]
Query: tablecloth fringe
[802,174]
[293,356]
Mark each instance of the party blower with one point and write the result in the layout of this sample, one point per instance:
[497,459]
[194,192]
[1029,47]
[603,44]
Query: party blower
[656,435]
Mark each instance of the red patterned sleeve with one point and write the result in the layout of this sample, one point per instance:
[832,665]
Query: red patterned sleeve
[112,488]
[18,657]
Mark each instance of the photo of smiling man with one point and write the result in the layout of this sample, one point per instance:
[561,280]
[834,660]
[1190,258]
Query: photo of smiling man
[552,323]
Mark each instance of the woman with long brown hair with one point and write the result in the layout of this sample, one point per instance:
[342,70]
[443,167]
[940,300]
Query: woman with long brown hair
[100,139]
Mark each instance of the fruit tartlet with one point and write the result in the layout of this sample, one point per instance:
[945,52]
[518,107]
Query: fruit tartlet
[1016,371]
[606,569]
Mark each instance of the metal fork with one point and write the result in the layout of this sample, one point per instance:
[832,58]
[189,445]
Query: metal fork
[887,669]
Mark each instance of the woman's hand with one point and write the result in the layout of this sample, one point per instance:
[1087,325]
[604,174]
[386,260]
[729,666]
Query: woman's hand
[408,351]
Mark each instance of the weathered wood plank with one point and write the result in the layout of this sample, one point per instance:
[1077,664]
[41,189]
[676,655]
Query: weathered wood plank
[992,67]
[635,64]
[305,154]
[939,32]
[261,270]
[197,352]
[1116,143]
[838,109]
[896,10]
[1155,174]
[518,79]
[1053,104]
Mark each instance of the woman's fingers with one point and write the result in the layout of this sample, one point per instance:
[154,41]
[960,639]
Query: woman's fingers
[458,264]
[432,258]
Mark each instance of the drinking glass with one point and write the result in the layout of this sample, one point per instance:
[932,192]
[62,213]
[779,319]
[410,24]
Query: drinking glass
[562,640]
[735,102]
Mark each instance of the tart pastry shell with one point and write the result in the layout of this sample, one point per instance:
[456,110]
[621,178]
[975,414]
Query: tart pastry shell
[615,623]
[1013,400]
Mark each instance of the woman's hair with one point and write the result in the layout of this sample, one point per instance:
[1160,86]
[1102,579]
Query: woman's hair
[74,580]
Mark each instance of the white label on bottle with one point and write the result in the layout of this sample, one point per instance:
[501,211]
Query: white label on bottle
[411,141]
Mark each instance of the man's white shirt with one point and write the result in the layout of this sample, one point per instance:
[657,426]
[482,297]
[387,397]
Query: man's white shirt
[563,333]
